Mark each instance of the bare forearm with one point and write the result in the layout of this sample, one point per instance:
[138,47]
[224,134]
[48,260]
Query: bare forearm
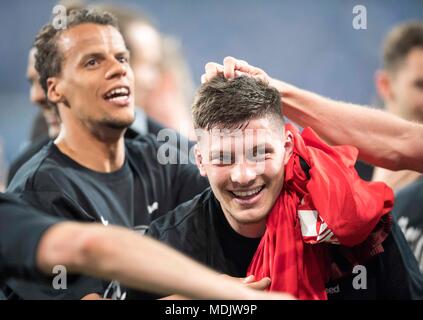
[382,139]
[149,265]
[136,261]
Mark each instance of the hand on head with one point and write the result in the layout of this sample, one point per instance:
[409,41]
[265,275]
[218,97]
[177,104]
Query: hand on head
[233,68]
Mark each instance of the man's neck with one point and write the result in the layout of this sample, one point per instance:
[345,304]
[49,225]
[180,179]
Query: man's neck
[400,112]
[101,153]
[248,230]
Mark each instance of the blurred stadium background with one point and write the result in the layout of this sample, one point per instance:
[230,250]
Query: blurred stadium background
[311,44]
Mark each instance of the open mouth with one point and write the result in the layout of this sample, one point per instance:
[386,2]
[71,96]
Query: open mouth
[247,195]
[119,95]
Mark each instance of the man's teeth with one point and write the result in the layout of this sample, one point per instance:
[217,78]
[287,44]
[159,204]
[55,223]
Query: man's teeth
[118,91]
[119,98]
[247,193]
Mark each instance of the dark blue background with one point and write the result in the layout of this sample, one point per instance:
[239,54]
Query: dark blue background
[309,43]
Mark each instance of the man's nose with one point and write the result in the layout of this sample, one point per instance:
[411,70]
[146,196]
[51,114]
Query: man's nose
[243,173]
[116,69]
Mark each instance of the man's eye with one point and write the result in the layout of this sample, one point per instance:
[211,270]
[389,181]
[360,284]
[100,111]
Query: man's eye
[419,84]
[226,159]
[258,155]
[222,160]
[123,59]
[91,63]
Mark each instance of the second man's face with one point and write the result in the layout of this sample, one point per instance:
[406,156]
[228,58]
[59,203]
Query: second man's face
[96,81]
[407,86]
[245,168]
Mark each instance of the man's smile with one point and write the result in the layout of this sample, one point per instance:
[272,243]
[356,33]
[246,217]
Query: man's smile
[248,197]
[118,95]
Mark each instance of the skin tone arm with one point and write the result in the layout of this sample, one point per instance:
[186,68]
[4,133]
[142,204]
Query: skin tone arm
[249,282]
[382,139]
[136,261]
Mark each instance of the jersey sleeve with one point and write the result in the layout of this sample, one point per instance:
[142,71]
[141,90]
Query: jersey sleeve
[44,194]
[18,222]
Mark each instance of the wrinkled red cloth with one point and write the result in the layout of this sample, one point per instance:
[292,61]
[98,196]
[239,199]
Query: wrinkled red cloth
[356,213]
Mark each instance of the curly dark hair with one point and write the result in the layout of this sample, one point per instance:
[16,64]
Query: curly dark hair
[228,104]
[48,58]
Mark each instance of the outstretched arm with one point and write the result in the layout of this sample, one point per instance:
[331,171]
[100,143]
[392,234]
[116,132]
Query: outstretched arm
[136,261]
[382,139]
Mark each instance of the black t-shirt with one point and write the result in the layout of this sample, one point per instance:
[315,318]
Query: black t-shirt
[196,229]
[408,210]
[142,190]
[18,222]
[25,155]
[153,128]
[238,250]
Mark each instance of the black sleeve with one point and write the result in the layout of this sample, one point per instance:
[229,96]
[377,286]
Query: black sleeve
[174,178]
[185,229]
[169,237]
[27,154]
[186,179]
[44,191]
[44,195]
[153,231]
[18,223]
[402,277]
[189,181]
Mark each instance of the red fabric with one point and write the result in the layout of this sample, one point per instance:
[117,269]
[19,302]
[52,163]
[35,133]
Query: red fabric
[353,209]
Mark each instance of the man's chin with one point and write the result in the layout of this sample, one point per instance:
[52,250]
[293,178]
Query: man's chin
[249,217]
[118,124]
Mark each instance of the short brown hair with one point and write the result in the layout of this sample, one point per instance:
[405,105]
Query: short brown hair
[48,59]
[228,104]
[399,42]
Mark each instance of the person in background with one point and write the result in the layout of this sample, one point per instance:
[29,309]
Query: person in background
[163,83]
[173,93]
[48,118]
[3,172]
[400,85]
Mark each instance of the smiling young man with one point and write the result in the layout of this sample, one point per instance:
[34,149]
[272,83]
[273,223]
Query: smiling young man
[280,203]
[243,158]
[222,228]
[90,172]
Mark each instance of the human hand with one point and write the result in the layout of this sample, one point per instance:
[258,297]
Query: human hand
[233,68]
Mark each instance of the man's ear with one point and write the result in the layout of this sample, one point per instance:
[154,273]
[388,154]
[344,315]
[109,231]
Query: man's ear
[383,82]
[54,92]
[199,161]
[289,146]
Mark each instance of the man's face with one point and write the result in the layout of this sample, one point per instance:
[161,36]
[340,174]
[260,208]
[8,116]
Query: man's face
[407,86]
[96,82]
[38,97]
[245,168]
